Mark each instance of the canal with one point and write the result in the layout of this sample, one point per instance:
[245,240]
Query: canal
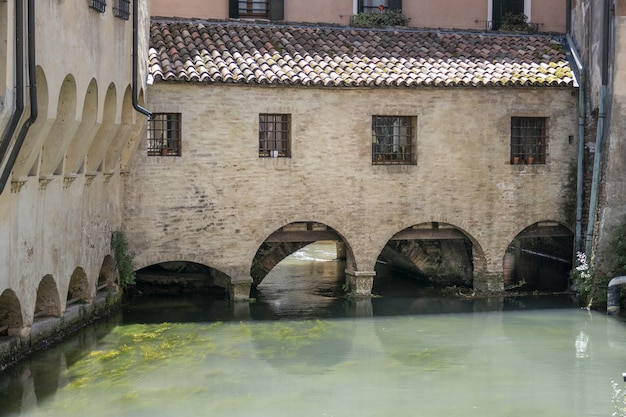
[303,349]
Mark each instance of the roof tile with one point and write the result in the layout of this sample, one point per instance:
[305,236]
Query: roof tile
[254,53]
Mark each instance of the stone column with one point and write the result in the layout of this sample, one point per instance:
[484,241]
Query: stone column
[239,288]
[341,250]
[360,282]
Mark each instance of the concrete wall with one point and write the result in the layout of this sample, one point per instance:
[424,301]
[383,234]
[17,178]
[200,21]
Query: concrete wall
[459,14]
[64,198]
[219,201]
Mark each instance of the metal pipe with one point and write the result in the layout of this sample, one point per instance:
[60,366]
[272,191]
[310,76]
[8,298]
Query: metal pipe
[9,131]
[593,200]
[135,64]
[32,78]
[580,172]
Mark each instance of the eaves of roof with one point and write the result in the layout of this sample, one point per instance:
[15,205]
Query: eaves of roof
[235,52]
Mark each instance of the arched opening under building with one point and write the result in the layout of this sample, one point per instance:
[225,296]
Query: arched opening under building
[181,277]
[48,302]
[539,259]
[10,312]
[423,257]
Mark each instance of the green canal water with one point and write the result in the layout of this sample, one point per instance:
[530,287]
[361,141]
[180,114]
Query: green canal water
[302,351]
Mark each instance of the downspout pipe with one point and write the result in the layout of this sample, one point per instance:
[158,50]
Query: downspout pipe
[32,78]
[593,199]
[9,131]
[135,84]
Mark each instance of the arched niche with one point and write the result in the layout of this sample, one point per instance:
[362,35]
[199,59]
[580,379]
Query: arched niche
[48,300]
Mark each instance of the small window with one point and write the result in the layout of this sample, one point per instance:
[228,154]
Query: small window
[164,134]
[122,9]
[275,135]
[393,139]
[528,140]
[98,5]
[365,6]
[257,9]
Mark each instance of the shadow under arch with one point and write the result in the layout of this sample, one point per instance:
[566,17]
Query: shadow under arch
[79,287]
[181,277]
[10,313]
[433,253]
[48,300]
[108,277]
[291,238]
[539,258]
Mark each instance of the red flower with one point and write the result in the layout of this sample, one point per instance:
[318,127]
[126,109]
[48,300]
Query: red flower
[381,8]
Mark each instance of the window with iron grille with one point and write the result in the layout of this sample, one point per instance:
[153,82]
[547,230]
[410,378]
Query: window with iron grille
[364,6]
[122,9]
[164,134]
[393,140]
[98,5]
[528,140]
[275,135]
[254,8]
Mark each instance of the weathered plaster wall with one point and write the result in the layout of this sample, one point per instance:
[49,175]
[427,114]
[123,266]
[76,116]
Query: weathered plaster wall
[451,14]
[219,201]
[56,217]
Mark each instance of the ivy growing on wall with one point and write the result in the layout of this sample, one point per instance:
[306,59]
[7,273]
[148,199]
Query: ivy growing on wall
[124,258]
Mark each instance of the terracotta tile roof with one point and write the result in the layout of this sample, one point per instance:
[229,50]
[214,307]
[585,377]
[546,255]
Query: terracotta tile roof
[256,53]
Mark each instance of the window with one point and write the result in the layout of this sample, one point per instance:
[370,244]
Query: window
[98,5]
[364,6]
[528,140]
[275,135]
[257,9]
[122,9]
[501,8]
[164,133]
[393,140]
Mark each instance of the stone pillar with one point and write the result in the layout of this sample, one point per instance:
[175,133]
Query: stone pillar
[360,282]
[239,288]
[341,250]
[488,282]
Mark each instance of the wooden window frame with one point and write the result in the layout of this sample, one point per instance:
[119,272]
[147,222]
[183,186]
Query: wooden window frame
[98,5]
[164,134]
[529,140]
[394,5]
[274,135]
[393,140]
[254,9]
[122,9]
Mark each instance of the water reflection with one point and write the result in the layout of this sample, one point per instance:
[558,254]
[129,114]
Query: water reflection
[316,354]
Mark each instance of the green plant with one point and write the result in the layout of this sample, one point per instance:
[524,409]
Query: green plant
[619,400]
[517,22]
[377,18]
[582,278]
[618,250]
[124,258]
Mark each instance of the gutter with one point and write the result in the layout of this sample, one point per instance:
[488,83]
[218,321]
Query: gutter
[136,105]
[19,81]
[32,78]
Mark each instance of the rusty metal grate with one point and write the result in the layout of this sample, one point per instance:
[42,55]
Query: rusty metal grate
[122,9]
[393,140]
[528,140]
[98,5]
[275,135]
[164,134]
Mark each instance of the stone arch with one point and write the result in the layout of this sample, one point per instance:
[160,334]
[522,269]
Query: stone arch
[27,162]
[86,131]
[123,134]
[539,257]
[106,131]
[11,320]
[181,276]
[79,289]
[57,140]
[138,134]
[48,300]
[436,252]
[108,277]
[290,238]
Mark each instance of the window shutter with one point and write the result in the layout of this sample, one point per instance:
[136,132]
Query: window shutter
[277,9]
[233,9]
[395,5]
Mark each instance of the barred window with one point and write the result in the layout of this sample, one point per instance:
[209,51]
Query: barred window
[164,134]
[98,5]
[275,135]
[254,8]
[393,140]
[122,9]
[528,140]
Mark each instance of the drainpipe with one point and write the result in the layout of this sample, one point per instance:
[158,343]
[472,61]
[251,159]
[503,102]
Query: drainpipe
[135,59]
[578,240]
[32,78]
[593,201]
[19,79]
